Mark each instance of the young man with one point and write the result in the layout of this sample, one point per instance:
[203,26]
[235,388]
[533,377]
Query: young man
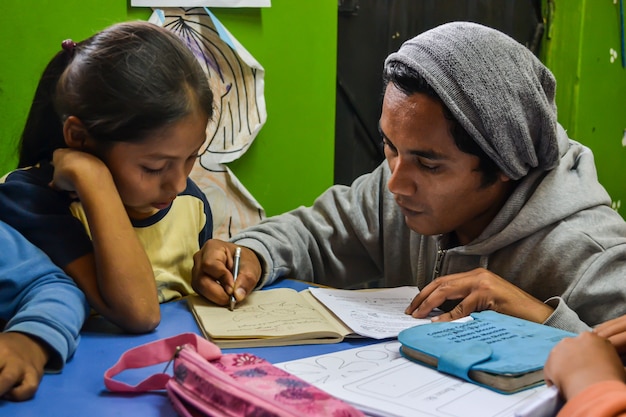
[41,313]
[482,200]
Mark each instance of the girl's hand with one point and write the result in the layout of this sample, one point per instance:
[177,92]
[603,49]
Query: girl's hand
[72,168]
[212,275]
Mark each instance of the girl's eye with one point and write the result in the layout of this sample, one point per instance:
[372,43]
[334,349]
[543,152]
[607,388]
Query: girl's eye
[152,171]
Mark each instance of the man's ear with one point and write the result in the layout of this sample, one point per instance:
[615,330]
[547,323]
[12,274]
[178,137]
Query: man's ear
[75,133]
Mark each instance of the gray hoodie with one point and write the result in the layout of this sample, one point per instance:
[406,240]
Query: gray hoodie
[556,237]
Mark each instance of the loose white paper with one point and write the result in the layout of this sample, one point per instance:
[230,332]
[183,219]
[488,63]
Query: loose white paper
[378,314]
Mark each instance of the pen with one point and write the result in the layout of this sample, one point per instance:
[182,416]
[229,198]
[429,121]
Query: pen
[233,300]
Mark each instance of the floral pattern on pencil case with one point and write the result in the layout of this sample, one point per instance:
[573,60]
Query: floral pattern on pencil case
[272,383]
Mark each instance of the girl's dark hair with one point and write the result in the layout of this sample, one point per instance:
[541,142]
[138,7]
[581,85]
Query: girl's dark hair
[123,83]
[409,81]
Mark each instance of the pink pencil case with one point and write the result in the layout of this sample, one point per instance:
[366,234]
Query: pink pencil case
[206,382]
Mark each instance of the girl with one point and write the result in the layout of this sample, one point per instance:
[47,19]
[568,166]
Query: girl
[113,132]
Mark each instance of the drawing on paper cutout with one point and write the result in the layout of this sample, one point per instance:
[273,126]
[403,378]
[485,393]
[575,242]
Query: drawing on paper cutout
[235,81]
[343,364]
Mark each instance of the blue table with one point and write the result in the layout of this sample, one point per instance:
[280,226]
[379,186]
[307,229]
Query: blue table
[79,390]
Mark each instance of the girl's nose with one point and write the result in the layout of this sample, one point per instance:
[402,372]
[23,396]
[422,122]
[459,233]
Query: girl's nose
[177,183]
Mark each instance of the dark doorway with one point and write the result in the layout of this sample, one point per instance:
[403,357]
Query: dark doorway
[369,30]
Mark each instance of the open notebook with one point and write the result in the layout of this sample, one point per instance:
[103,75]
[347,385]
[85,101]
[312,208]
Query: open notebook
[284,316]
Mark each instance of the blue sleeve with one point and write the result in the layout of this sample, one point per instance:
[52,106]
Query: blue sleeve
[207,232]
[38,299]
[43,215]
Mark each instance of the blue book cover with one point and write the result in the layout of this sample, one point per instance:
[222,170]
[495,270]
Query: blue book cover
[500,352]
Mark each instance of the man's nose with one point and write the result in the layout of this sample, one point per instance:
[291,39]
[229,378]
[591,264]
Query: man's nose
[401,181]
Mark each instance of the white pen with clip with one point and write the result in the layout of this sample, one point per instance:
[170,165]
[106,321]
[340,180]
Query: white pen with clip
[233,300]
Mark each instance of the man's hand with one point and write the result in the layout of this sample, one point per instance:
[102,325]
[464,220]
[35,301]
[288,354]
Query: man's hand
[22,361]
[212,275]
[567,369]
[477,290]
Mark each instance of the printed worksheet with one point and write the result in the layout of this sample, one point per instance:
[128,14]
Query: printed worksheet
[344,364]
[380,382]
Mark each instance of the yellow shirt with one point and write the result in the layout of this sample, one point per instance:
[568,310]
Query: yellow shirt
[170,239]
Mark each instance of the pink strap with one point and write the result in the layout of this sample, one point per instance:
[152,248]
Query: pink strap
[153,353]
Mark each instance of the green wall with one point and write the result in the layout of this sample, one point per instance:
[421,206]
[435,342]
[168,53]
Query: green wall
[583,49]
[291,160]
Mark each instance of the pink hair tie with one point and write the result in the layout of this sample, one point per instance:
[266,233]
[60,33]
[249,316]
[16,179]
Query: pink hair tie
[68,46]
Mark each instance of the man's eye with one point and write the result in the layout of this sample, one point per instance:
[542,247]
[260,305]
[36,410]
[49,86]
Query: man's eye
[427,167]
[388,145]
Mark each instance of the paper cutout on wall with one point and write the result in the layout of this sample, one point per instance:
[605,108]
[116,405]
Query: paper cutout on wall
[233,207]
[200,3]
[237,81]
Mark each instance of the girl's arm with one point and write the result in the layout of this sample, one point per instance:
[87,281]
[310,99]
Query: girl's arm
[117,277]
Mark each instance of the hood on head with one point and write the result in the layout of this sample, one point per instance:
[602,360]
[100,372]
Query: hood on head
[496,89]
